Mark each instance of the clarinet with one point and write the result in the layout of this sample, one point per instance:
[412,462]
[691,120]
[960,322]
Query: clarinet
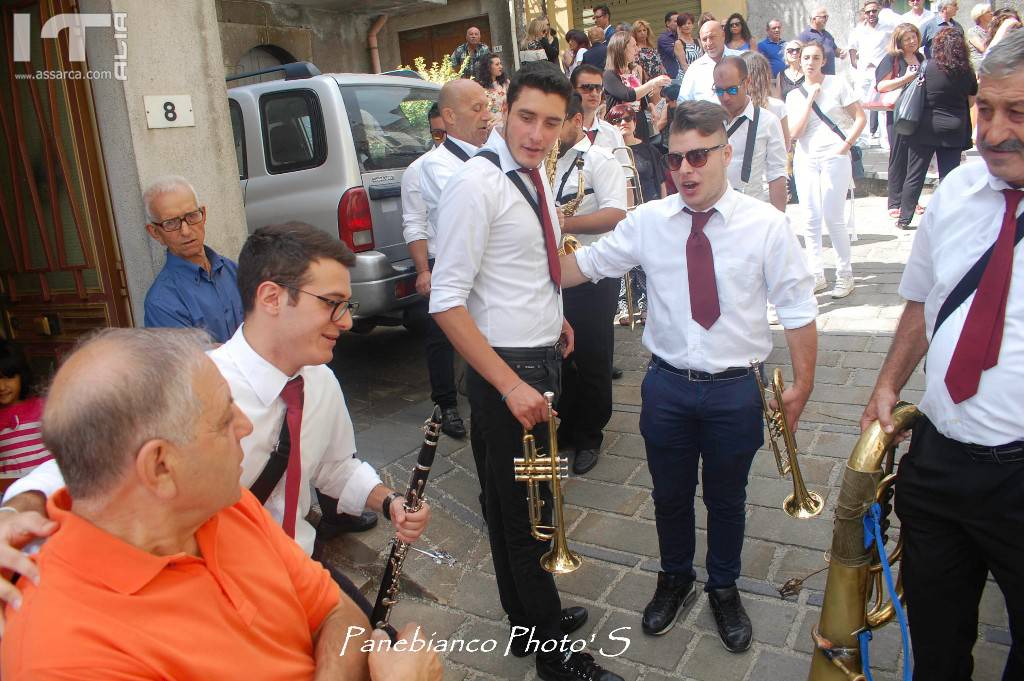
[387,596]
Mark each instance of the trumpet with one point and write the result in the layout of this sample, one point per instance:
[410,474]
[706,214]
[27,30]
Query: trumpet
[801,504]
[534,470]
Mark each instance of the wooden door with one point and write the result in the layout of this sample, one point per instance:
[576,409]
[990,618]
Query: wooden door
[60,266]
[437,42]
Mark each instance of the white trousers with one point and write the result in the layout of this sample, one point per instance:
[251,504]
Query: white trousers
[822,184]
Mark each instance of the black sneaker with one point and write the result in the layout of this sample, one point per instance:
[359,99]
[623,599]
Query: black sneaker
[576,667]
[733,623]
[616,373]
[572,619]
[585,460]
[673,595]
[451,423]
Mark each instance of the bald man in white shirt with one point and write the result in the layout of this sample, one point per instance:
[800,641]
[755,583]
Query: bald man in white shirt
[705,324]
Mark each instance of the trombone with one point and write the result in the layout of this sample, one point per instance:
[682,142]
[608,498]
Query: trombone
[634,197]
[534,470]
[801,504]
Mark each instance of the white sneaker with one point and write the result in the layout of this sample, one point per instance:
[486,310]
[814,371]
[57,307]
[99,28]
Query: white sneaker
[844,287]
[820,284]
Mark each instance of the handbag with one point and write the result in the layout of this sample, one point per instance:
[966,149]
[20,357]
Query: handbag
[532,55]
[910,106]
[856,154]
[883,101]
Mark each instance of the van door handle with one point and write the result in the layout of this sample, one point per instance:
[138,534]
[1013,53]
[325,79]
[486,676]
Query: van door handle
[385,192]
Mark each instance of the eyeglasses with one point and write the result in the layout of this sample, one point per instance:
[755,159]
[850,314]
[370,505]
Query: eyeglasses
[599,16]
[193,217]
[338,307]
[590,87]
[615,119]
[871,11]
[734,23]
[823,16]
[792,50]
[437,134]
[697,158]
[732,90]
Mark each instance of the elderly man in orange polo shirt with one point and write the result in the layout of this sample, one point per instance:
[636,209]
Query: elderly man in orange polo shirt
[160,549]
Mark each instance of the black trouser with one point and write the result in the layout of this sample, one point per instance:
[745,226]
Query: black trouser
[960,518]
[918,158]
[586,403]
[441,366]
[528,593]
[873,121]
[897,168]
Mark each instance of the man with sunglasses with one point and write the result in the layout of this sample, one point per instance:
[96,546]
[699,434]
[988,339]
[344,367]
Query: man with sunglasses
[758,165]
[586,403]
[713,259]
[868,47]
[588,81]
[197,287]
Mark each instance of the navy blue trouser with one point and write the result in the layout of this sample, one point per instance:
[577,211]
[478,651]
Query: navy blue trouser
[717,422]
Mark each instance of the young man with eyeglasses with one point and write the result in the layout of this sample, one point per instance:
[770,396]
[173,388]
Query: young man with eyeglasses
[706,323]
[586,403]
[197,287]
[295,286]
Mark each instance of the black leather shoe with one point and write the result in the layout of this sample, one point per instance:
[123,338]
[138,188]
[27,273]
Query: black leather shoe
[451,423]
[578,667]
[585,460]
[616,373]
[733,623]
[572,619]
[673,594]
[329,528]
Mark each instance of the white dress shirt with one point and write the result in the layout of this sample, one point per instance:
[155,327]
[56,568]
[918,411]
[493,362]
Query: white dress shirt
[818,140]
[699,81]
[601,172]
[757,260]
[769,157]
[435,171]
[415,221]
[327,437]
[491,255]
[917,19]
[871,44]
[608,136]
[962,222]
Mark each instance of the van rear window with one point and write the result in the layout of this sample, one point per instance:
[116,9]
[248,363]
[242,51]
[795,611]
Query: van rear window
[389,124]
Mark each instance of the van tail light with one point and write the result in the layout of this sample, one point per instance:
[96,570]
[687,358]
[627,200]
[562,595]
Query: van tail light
[355,225]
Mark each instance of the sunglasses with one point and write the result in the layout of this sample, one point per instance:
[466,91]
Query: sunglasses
[792,50]
[734,24]
[615,119]
[871,11]
[590,87]
[437,134]
[733,90]
[697,158]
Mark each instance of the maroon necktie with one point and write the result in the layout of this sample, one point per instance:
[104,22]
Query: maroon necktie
[591,135]
[977,349]
[554,268]
[292,396]
[700,272]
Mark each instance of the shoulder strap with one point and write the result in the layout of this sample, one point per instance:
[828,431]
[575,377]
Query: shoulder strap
[748,153]
[575,168]
[275,467]
[824,119]
[456,150]
[969,284]
[515,179]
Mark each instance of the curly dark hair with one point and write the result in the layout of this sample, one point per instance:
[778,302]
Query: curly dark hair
[483,73]
[949,50]
[744,29]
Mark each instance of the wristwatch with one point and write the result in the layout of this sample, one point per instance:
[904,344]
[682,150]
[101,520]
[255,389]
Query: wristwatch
[386,505]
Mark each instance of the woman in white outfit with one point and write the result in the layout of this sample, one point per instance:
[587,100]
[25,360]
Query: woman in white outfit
[822,162]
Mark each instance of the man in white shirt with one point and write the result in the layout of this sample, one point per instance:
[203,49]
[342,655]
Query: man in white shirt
[295,288]
[960,500]
[758,165]
[705,324]
[888,17]
[699,81]
[588,81]
[586,402]
[496,293]
[868,47]
[917,14]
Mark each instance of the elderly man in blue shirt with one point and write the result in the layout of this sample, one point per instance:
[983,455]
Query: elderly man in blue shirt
[197,286]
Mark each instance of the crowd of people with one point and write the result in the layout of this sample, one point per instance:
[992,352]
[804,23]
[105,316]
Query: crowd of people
[169,473]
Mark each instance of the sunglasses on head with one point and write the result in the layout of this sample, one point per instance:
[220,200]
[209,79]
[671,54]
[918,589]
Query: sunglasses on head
[590,87]
[437,134]
[615,119]
[732,90]
[697,158]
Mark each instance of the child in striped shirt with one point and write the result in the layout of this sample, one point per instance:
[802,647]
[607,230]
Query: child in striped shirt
[21,414]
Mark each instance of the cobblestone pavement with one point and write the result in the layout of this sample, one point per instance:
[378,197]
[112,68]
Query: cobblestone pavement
[610,512]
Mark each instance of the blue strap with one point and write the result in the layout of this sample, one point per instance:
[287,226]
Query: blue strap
[865,662]
[873,535]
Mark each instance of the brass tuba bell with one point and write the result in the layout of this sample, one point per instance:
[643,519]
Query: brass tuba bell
[534,470]
[801,504]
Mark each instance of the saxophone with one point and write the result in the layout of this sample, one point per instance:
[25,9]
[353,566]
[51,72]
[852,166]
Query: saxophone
[569,243]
